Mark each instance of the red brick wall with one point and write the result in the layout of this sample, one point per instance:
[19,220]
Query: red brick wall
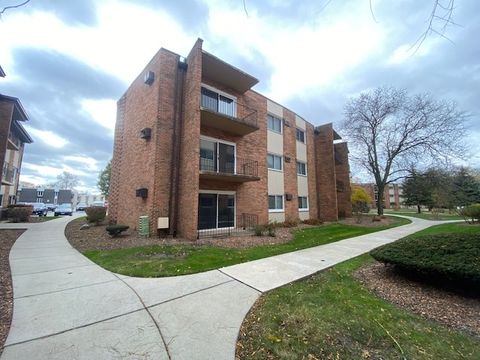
[311,172]
[325,168]
[342,174]
[6,112]
[290,168]
[190,152]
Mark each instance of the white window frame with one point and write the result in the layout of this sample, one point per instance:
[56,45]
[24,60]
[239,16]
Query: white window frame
[304,135]
[40,193]
[281,162]
[277,210]
[303,209]
[306,171]
[223,93]
[222,192]
[275,118]
[212,139]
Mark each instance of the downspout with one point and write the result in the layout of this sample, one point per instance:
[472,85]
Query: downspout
[176,146]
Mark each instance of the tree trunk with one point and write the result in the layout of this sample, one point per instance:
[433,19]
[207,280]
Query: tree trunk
[419,210]
[381,190]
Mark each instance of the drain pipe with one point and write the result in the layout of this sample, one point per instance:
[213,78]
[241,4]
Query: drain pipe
[176,146]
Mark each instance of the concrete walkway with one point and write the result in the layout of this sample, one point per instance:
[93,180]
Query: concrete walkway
[67,307]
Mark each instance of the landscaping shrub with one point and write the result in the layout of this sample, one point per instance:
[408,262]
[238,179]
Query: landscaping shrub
[470,213]
[19,213]
[96,214]
[258,230]
[291,223]
[270,227]
[312,222]
[115,230]
[453,257]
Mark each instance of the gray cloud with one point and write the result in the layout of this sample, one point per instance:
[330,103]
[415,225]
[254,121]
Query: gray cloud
[51,88]
[71,12]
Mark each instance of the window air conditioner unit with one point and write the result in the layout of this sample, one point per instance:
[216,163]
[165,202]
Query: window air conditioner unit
[288,196]
[146,133]
[142,192]
[149,77]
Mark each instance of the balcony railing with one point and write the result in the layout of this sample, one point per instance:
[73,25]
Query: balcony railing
[15,141]
[227,114]
[236,166]
[244,225]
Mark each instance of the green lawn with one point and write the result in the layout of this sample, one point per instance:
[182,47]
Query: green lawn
[170,260]
[332,316]
[427,215]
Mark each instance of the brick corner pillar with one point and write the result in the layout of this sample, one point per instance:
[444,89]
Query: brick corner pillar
[342,175]
[190,147]
[116,170]
[290,167]
[6,113]
[325,171]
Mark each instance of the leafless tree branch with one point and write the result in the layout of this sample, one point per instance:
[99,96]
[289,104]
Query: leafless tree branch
[13,7]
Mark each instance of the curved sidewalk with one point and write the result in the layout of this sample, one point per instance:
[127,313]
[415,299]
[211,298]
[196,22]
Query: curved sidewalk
[67,307]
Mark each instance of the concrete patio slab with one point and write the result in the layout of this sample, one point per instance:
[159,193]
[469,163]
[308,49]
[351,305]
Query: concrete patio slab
[48,314]
[132,336]
[205,325]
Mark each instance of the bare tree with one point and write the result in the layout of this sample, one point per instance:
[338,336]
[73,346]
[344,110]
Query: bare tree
[13,7]
[67,181]
[390,130]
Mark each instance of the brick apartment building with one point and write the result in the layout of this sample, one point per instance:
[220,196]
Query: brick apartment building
[13,138]
[392,196]
[197,149]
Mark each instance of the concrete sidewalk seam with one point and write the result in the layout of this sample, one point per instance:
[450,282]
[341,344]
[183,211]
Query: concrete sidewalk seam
[46,271]
[149,314]
[72,329]
[241,282]
[189,294]
[66,289]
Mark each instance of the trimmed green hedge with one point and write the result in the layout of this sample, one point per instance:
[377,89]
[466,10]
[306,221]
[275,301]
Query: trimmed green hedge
[453,257]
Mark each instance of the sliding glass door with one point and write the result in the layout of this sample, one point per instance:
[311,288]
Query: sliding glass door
[217,156]
[216,211]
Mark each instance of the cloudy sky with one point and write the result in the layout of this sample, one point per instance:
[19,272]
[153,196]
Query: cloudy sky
[69,61]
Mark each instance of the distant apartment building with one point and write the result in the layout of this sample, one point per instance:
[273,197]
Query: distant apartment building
[87,199]
[196,149]
[47,196]
[392,196]
[13,138]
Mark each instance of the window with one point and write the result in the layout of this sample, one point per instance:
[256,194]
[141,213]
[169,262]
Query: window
[301,168]
[301,135]
[274,123]
[274,162]
[275,203]
[303,203]
[217,156]
[39,193]
[214,101]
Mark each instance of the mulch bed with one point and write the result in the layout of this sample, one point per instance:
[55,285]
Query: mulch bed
[447,308]
[7,238]
[367,220]
[96,238]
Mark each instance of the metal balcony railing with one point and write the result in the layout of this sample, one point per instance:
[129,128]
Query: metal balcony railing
[235,166]
[15,140]
[244,225]
[7,175]
[228,108]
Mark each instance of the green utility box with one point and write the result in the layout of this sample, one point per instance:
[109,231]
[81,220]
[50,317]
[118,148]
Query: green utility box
[143,226]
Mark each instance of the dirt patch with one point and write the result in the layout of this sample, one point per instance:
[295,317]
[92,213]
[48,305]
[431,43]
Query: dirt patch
[7,238]
[369,221]
[429,302]
[96,238]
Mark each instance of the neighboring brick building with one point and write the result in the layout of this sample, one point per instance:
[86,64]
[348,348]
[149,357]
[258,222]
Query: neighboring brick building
[196,149]
[13,138]
[392,196]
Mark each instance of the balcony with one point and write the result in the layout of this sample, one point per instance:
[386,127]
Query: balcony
[223,113]
[14,142]
[239,170]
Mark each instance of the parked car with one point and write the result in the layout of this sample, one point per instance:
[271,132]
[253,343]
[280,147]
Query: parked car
[51,207]
[98,203]
[39,209]
[81,206]
[64,209]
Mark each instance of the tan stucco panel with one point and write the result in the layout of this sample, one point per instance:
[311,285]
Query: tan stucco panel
[274,109]
[277,216]
[300,123]
[301,152]
[302,183]
[304,215]
[274,142]
[275,183]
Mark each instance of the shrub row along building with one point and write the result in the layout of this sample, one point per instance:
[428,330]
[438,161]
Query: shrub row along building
[198,151]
